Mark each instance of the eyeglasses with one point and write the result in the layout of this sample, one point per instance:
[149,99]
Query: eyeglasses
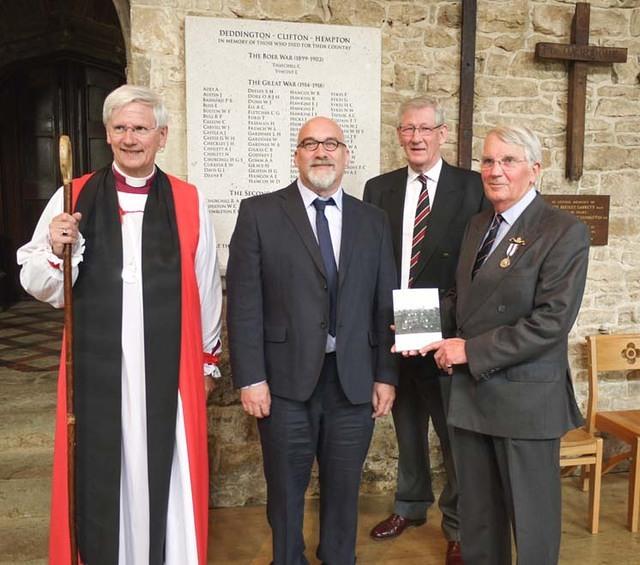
[506,163]
[330,144]
[423,131]
[137,131]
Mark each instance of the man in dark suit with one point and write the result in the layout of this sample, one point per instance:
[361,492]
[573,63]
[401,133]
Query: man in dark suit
[520,282]
[309,284]
[428,193]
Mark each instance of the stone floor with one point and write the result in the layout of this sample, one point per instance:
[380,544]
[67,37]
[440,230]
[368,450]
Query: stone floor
[29,345]
[241,535]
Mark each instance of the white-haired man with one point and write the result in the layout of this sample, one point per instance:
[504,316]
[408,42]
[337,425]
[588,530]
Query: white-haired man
[147,306]
[519,283]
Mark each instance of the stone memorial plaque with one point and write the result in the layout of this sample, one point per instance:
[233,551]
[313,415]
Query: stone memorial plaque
[252,84]
[593,210]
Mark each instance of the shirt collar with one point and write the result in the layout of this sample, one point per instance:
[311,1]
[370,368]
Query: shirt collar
[433,173]
[308,196]
[510,215]
[134,181]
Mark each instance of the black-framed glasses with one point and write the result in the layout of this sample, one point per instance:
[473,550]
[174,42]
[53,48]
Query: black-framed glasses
[423,131]
[506,163]
[330,144]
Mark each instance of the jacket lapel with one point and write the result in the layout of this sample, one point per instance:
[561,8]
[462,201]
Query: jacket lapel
[294,209]
[350,225]
[488,278]
[476,229]
[394,205]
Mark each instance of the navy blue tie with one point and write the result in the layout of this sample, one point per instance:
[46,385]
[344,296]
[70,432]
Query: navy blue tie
[328,258]
[483,252]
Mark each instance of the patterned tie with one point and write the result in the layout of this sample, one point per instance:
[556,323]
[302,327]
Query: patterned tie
[483,253]
[419,227]
[328,258]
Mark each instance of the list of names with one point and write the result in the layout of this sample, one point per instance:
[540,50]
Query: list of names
[250,87]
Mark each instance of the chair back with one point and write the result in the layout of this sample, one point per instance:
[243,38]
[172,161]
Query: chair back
[609,352]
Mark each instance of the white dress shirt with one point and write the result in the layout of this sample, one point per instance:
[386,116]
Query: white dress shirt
[414,186]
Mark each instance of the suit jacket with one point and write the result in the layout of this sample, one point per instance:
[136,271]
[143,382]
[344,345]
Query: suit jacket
[515,321]
[278,300]
[459,195]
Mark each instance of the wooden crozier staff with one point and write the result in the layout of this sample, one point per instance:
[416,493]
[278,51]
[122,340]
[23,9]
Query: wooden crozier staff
[66,169]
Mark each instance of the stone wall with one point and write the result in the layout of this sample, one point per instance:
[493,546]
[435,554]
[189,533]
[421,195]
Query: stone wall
[421,55]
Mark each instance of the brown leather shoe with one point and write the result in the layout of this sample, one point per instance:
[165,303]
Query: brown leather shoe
[392,527]
[454,554]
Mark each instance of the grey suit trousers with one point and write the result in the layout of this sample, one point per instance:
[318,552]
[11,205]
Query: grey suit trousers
[507,483]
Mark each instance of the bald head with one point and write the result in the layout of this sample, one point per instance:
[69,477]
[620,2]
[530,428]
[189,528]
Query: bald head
[321,155]
[320,123]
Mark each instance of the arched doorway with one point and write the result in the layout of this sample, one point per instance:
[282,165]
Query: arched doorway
[58,60]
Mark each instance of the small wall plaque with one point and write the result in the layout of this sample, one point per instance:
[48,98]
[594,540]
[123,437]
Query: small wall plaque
[592,209]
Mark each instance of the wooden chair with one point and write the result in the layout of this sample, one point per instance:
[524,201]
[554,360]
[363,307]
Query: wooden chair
[620,352]
[582,448]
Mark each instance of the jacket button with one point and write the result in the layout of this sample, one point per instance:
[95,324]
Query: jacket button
[323,325]
[502,308]
[325,287]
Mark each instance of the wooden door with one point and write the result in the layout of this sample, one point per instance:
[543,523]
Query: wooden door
[39,101]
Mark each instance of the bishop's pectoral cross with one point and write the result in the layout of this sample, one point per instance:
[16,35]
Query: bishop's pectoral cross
[579,54]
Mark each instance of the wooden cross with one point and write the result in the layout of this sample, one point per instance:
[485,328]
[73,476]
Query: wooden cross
[579,54]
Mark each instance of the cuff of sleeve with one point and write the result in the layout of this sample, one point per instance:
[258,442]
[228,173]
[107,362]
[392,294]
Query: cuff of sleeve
[77,254]
[252,385]
[55,262]
[212,371]
[210,358]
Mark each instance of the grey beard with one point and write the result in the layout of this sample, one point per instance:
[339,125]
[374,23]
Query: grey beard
[322,180]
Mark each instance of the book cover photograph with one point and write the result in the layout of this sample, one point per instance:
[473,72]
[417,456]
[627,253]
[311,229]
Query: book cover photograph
[416,312]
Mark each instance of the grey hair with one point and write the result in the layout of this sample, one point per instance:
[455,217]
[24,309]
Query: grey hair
[419,103]
[128,93]
[522,137]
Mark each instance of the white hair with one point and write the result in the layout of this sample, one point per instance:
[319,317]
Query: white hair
[128,93]
[419,103]
[522,137]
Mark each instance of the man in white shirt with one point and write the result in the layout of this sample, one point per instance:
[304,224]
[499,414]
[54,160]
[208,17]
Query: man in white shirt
[428,203]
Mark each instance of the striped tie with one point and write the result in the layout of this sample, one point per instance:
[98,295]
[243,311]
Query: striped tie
[419,227]
[483,253]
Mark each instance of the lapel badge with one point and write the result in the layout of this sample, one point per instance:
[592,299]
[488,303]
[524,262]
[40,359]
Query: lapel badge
[514,244]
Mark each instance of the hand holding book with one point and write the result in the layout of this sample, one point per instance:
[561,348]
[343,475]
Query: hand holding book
[416,313]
